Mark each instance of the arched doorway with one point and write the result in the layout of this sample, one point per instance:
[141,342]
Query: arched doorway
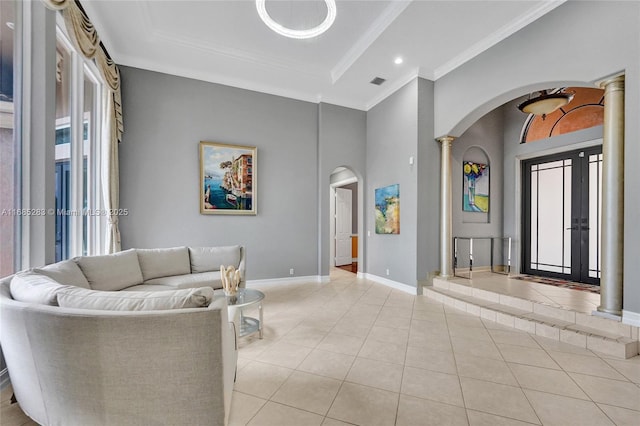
[345,217]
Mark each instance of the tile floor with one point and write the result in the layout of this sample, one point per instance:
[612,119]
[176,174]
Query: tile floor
[575,300]
[356,352]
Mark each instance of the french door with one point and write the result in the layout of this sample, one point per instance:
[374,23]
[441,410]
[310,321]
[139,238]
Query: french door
[562,214]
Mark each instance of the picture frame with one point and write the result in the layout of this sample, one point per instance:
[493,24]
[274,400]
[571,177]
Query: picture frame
[475,187]
[228,179]
[387,209]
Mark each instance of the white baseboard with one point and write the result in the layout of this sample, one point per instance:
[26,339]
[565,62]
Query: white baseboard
[390,283]
[631,318]
[290,280]
[361,275]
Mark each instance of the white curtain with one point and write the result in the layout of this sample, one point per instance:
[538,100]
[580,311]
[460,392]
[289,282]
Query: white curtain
[86,39]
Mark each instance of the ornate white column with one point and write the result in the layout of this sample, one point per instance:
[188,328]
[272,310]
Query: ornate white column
[446,236]
[612,197]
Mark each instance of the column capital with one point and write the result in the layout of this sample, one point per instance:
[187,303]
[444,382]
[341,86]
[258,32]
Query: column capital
[613,84]
[446,140]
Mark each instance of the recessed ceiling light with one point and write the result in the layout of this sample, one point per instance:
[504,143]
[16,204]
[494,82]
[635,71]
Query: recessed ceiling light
[299,34]
[398,60]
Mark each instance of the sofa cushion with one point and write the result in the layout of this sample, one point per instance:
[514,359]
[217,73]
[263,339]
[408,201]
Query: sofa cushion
[163,262]
[208,279]
[135,300]
[205,259]
[111,272]
[65,272]
[31,287]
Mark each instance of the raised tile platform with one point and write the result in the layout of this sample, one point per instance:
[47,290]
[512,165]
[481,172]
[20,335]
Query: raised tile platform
[598,334]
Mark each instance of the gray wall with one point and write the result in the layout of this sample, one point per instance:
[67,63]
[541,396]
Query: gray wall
[392,137]
[427,166]
[603,38]
[341,143]
[481,142]
[166,117]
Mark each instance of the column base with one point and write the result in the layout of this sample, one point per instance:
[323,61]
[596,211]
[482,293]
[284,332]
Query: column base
[608,313]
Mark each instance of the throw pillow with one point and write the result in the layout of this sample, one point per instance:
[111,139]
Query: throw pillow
[135,300]
[31,287]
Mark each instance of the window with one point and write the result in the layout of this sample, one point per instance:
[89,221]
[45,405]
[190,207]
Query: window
[79,89]
[9,144]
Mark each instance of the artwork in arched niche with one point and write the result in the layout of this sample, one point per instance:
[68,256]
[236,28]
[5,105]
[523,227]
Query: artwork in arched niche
[475,181]
[585,110]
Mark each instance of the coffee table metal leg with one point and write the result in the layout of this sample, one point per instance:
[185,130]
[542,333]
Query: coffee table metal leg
[260,318]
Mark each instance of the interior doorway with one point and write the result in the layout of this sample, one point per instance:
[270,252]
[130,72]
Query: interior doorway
[562,215]
[344,219]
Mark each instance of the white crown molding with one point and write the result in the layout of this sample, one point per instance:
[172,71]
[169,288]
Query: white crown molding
[136,62]
[379,25]
[393,88]
[502,33]
[390,283]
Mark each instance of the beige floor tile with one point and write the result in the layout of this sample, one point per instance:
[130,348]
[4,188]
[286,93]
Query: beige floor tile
[498,399]
[416,411]
[528,356]
[464,320]
[261,380]
[382,351]
[308,392]
[396,311]
[621,416]
[284,354]
[432,385]
[466,332]
[243,408]
[274,414]
[437,317]
[546,380]
[328,364]
[389,335]
[430,359]
[305,336]
[377,374]
[475,348]
[491,370]
[438,343]
[557,346]
[608,391]
[564,411]
[333,422]
[585,364]
[251,347]
[477,418]
[630,368]
[363,405]
[341,343]
[391,321]
[353,328]
[513,338]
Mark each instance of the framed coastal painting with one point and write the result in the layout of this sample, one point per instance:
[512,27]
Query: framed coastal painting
[475,187]
[388,209]
[228,179]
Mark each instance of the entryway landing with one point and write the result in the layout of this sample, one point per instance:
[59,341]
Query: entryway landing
[559,313]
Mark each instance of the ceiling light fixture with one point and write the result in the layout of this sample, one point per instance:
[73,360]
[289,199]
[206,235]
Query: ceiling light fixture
[545,103]
[298,34]
[398,60]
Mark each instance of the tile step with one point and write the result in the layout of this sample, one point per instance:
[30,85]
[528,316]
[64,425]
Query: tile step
[608,343]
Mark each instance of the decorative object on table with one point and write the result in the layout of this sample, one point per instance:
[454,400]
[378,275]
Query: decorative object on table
[388,209]
[475,189]
[230,279]
[227,179]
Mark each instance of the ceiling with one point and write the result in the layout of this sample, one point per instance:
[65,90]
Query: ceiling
[226,42]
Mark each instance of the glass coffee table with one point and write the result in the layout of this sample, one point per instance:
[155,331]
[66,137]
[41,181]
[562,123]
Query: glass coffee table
[244,298]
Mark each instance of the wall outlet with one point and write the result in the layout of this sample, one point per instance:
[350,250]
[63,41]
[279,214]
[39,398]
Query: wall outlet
[368,233]
[387,272]
[291,271]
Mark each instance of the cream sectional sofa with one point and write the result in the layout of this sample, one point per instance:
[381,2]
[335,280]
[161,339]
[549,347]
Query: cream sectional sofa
[133,338]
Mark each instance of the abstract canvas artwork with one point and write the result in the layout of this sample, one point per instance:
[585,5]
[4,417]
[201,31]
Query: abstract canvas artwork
[475,190]
[388,209]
